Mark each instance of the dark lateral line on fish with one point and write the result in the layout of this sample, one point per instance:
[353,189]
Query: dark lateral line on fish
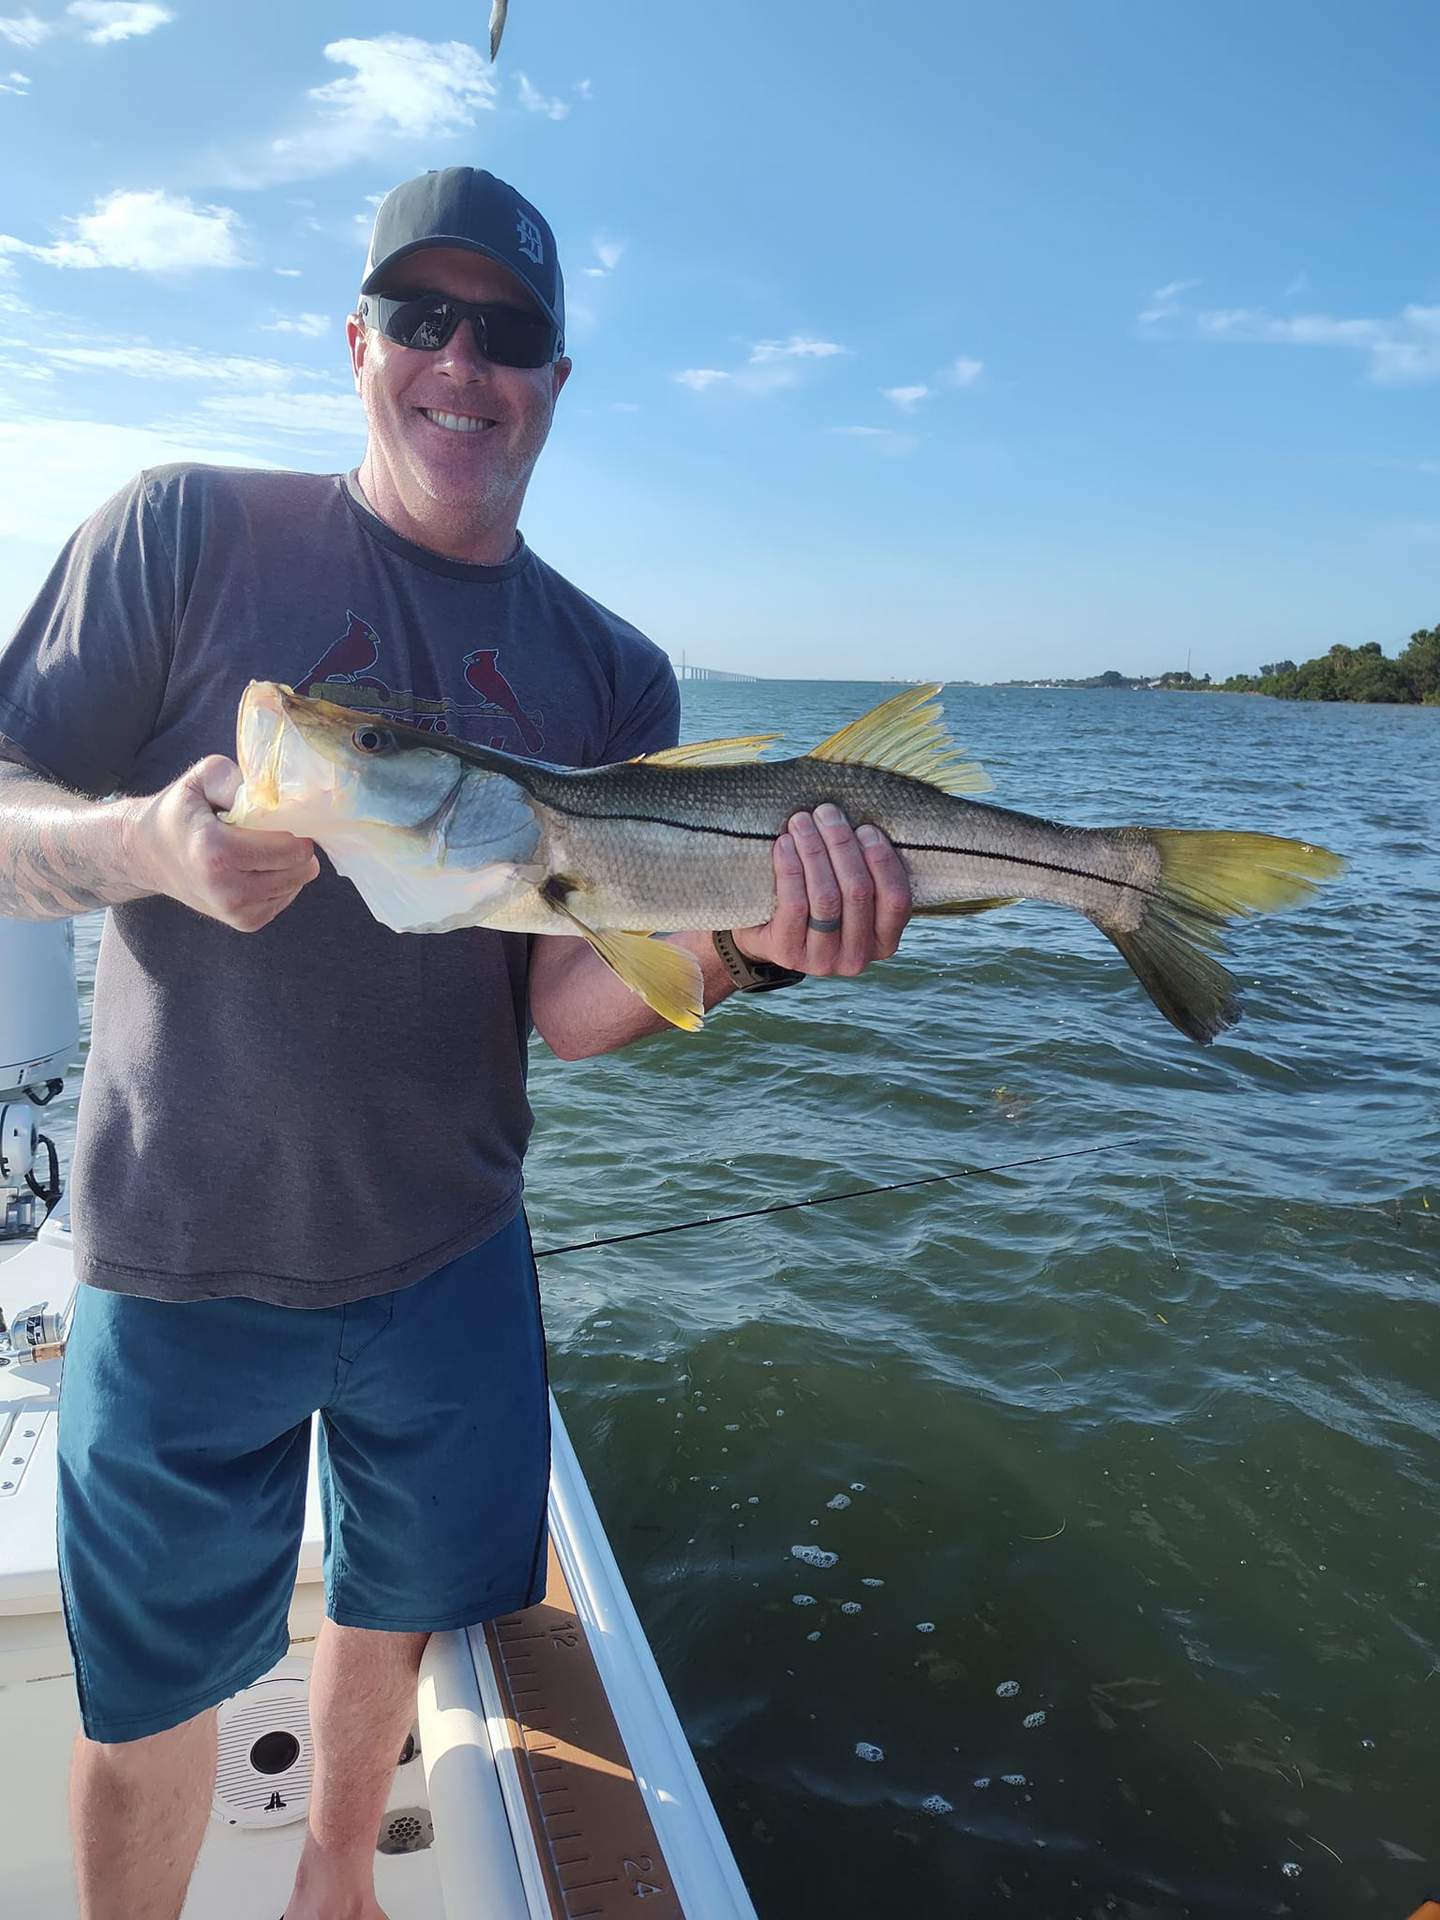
[828,1199]
[901,846]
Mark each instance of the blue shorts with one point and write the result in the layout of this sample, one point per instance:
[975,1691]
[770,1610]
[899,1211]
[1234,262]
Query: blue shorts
[184,1444]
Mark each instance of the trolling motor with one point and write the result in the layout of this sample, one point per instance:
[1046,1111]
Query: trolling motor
[39,1033]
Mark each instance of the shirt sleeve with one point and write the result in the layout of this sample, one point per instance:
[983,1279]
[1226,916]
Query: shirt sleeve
[83,676]
[650,721]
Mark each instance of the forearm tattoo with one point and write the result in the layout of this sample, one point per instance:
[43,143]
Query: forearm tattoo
[59,852]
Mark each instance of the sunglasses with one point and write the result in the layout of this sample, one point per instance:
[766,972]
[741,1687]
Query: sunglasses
[509,336]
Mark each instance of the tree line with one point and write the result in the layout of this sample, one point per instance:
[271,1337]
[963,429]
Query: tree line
[1364,673]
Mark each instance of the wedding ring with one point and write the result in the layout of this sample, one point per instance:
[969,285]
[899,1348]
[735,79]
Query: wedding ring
[823,926]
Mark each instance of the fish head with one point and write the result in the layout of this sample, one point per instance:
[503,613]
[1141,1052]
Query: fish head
[435,834]
[308,764]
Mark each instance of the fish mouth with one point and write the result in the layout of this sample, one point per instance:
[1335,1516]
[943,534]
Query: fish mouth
[279,746]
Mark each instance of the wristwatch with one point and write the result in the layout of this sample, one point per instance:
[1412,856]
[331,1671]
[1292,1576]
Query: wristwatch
[752,976]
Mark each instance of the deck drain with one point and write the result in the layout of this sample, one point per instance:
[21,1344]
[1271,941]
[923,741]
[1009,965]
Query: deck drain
[406,1830]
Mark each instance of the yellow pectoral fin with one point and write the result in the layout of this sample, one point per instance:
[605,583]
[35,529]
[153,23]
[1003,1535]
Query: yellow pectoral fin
[667,978]
[710,753]
[969,906]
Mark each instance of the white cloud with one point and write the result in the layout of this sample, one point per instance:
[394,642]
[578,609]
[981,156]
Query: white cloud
[1403,350]
[307,413]
[19,370]
[112,20]
[1165,302]
[584,89]
[140,362]
[797,347]
[773,364]
[906,398]
[15,83]
[145,232]
[398,87]
[55,472]
[623,406]
[962,372]
[289,273]
[608,253]
[310,325]
[25,30]
[536,102]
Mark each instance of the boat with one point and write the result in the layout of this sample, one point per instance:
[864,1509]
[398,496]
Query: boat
[547,1776]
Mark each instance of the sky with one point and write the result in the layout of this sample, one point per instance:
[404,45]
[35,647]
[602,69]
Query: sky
[964,341]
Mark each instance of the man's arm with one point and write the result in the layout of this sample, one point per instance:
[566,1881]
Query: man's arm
[62,854]
[824,871]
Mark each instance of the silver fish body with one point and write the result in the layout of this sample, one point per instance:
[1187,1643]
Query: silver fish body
[438,835]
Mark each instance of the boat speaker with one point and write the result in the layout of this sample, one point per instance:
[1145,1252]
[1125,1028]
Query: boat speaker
[266,1764]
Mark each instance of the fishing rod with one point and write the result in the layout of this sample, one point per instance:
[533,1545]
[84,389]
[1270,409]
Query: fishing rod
[829,1199]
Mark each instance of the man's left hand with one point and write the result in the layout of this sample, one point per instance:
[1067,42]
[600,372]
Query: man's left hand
[842,898]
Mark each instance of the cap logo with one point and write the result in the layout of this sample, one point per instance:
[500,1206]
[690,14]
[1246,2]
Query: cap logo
[531,244]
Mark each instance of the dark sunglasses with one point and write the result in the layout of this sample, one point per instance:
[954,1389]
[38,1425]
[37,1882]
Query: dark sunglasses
[509,336]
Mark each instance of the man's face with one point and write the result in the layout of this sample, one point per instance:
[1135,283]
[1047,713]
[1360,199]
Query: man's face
[454,435]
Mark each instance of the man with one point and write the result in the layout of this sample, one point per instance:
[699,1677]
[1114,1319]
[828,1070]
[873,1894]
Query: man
[297,1174]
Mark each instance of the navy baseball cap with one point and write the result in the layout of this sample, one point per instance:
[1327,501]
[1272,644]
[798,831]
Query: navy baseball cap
[467,207]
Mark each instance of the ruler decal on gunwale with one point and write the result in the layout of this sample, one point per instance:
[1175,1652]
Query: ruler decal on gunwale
[594,1838]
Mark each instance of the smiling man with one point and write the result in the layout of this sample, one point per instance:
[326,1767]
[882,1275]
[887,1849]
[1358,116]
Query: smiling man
[297,1179]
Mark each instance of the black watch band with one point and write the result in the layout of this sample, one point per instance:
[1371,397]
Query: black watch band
[752,976]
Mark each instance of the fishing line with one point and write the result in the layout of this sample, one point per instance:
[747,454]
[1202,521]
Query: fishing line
[829,1199]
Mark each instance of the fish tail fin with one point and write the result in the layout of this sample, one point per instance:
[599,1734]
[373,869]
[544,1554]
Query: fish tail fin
[1205,881]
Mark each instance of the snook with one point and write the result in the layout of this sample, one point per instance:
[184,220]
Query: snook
[437,834]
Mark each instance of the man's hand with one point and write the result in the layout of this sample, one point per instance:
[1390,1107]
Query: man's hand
[842,898]
[176,846]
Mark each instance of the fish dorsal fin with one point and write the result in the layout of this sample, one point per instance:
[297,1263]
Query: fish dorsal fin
[710,753]
[906,734]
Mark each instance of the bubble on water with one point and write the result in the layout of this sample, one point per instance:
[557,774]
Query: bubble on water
[1014,1779]
[1290,1869]
[850,1606]
[814,1556]
[857,1486]
[924,1626]
[982,1782]
[753,1500]
[802,1599]
[838,1503]
[1008,1689]
[733,1426]
[1033,1720]
[1368,1744]
[864,1751]
[872,1583]
[813,1636]
[936,1804]
[602,1323]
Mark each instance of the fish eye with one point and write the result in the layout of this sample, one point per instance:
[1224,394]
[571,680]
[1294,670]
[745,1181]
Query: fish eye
[372,739]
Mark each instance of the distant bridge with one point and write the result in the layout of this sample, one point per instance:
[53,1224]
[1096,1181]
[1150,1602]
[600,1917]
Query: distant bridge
[686,672]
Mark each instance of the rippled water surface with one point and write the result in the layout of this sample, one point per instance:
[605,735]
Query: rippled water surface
[1128,1463]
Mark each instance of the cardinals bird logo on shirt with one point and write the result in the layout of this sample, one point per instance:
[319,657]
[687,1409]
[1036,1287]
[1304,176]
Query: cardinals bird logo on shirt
[346,673]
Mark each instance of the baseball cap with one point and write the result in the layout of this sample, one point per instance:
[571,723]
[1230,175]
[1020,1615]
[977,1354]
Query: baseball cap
[467,207]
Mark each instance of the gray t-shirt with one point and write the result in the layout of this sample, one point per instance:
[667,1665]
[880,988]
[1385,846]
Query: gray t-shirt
[323,1110]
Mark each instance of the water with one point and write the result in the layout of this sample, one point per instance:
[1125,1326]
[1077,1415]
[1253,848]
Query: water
[1145,1442]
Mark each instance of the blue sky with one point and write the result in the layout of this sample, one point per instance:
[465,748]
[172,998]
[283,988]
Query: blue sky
[964,341]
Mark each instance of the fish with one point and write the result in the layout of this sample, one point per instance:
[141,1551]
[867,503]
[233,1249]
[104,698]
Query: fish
[498,11]
[437,834]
